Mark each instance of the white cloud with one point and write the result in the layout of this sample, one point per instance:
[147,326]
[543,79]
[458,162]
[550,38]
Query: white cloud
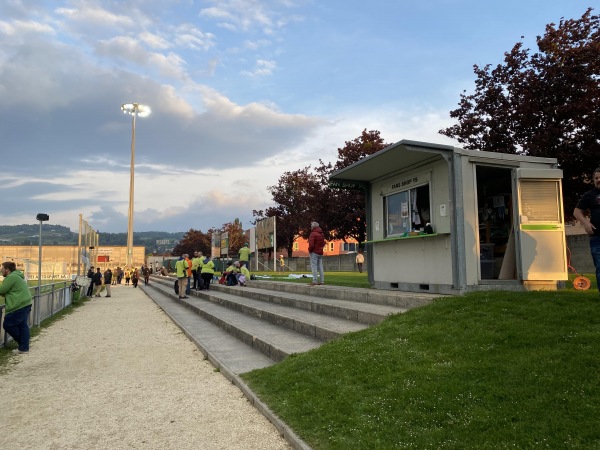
[245,15]
[154,40]
[18,28]
[188,36]
[88,14]
[261,68]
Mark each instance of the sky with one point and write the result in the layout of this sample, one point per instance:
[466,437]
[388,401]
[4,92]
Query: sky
[241,91]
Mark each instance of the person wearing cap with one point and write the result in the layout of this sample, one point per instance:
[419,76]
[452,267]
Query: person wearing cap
[245,255]
[281,263]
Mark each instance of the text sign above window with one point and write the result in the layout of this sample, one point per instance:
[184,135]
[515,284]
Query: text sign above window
[407,182]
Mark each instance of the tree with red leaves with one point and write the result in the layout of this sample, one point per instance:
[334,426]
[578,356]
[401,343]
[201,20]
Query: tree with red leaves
[346,208]
[545,104]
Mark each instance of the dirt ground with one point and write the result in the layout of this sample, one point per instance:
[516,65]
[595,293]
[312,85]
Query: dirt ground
[118,374]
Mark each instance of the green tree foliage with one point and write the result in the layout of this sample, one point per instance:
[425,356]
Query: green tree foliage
[345,215]
[542,104]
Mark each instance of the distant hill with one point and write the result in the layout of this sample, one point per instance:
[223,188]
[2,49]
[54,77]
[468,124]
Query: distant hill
[154,241]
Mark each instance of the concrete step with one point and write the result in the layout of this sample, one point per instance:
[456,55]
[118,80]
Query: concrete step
[224,351]
[398,299]
[275,319]
[365,313]
[303,315]
[269,339]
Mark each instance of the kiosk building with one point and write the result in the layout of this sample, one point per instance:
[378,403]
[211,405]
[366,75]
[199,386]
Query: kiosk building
[447,220]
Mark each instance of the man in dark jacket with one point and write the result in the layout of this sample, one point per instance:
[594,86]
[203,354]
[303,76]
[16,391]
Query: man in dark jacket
[108,279]
[90,275]
[97,281]
[316,242]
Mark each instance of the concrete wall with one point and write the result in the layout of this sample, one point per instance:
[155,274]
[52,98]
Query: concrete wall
[579,245]
[581,259]
[336,263]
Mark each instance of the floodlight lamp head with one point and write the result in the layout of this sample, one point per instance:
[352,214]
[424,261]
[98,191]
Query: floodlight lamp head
[136,109]
[42,217]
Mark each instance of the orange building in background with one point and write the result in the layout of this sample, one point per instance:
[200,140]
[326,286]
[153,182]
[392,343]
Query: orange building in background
[332,247]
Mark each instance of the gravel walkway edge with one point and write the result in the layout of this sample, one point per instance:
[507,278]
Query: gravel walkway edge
[286,432]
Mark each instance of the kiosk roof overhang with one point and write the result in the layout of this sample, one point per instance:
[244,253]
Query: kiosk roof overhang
[407,154]
[402,154]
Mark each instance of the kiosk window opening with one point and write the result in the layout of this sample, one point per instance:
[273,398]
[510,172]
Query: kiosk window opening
[407,210]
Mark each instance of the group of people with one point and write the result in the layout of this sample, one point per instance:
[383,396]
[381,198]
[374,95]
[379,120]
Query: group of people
[236,274]
[108,278]
[200,270]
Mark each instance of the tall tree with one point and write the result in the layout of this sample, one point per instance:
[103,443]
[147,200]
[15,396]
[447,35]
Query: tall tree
[295,196]
[545,104]
[236,236]
[346,208]
[193,240]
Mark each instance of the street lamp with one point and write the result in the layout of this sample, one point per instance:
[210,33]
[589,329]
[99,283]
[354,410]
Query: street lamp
[135,109]
[42,218]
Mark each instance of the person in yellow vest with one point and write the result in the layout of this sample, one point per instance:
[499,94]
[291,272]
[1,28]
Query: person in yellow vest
[281,263]
[199,269]
[243,276]
[245,255]
[181,267]
[207,272]
[196,260]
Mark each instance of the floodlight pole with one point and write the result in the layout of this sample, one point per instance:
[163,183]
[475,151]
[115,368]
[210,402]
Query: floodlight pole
[134,109]
[42,218]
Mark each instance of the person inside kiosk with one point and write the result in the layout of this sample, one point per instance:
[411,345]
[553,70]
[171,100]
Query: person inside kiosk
[408,211]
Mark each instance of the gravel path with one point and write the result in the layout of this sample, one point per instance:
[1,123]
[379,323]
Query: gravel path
[116,374]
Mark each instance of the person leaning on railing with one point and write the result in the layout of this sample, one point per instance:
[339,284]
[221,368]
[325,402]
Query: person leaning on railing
[17,298]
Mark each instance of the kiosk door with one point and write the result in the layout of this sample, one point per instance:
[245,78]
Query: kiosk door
[540,237]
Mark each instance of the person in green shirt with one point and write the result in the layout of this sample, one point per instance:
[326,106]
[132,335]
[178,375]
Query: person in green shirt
[17,298]
[245,255]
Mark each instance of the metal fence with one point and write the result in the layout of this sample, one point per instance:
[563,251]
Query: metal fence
[53,298]
[335,263]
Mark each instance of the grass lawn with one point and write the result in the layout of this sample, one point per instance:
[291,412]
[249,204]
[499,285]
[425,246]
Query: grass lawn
[487,370]
[349,279]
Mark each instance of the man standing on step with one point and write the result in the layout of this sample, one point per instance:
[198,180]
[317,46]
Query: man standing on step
[245,256]
[316,242]
[181,267]
[196,260]
[17,297]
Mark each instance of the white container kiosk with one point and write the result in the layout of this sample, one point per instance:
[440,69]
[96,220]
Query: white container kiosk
[497,219]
